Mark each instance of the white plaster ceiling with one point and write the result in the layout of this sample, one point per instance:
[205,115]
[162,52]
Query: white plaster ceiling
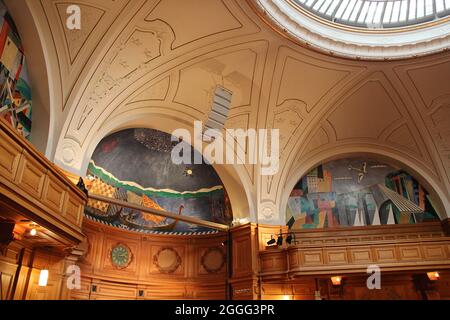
[155,63]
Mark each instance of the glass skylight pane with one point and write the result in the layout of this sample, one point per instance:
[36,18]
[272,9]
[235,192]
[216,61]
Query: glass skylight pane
[403,10]
[341,9]
[420,9]
[429,7]
[377,18]
[395,11]
[325,6]
[388,12]
[349,9]
[371,12]
[440,5]
[318,4]
[412,9]
[363,14]
[356,11]
[333,6]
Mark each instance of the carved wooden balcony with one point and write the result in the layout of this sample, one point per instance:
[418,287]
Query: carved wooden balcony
[396,247]
[34,190]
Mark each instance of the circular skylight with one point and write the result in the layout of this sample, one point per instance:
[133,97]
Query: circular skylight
[364,29]
[378,13]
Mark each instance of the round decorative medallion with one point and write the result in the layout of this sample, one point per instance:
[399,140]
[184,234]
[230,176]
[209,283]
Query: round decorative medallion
[213,260]
[121,256]
[167,260]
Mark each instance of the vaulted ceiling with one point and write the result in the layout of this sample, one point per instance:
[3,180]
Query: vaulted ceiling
[155,64]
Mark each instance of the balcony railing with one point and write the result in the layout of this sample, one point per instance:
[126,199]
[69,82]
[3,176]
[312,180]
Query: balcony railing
[33,189]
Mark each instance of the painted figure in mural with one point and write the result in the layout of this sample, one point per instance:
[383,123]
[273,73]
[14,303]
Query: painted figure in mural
[357,192]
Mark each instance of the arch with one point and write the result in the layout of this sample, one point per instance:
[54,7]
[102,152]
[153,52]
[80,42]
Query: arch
[233,177]
[43,115]
[382,154]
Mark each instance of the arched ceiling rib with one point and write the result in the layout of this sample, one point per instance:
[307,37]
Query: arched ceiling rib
[155,57]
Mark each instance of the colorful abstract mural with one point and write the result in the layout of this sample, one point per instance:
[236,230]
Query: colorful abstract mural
[357,192]
[15,92]
[135,165]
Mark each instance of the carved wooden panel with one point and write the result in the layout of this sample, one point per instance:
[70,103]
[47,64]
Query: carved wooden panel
[434,252]
[9,157]
[163,266]
[74,209]
[106,264]
[337,256]
[54,194]
[8,271]
[167,260]
[242,260]
[385,254]
[349,252]
[31,176]
[361,255]
[213,260]
[410,253]
[312,257]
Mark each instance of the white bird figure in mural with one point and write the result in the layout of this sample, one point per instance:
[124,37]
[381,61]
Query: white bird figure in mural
[361,172]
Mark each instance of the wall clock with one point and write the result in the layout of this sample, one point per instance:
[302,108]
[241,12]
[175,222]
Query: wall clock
[121,256]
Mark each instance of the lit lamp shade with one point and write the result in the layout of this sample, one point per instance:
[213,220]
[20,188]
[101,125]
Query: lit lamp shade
[336,281]
[43,278]
[433,276]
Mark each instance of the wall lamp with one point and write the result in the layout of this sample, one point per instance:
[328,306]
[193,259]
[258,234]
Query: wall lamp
[433,276]
[336,280]
[43,278]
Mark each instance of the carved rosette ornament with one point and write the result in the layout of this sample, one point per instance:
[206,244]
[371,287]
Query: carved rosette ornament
[167,260]
[213,259]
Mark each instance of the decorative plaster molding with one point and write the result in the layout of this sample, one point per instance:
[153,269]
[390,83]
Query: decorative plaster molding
[351,43]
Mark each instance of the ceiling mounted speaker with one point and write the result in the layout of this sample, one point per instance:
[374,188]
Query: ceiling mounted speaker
[220,109]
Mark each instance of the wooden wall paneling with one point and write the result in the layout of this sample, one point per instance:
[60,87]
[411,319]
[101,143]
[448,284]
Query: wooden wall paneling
[10,154]
[33,188]
[245,262]
[8,274]
[31,176]
[163,266]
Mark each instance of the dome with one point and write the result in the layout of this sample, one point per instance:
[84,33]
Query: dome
[363,29]
[377,13]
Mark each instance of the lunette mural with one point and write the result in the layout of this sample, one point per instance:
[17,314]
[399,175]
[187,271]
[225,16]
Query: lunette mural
[357,192]
[134,165]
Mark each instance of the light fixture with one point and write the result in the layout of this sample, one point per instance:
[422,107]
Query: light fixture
[43,278]
[271,241]
[280,240]
[188,172]
[33,230]
[336,280]
[289,238]
[433,276]
[286,297]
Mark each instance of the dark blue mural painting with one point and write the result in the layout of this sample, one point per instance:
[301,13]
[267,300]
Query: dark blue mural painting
[135,165]
[357,192]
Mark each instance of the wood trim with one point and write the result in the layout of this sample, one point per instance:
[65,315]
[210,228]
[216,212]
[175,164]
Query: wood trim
[33,188]
[446,226]
[409,247]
